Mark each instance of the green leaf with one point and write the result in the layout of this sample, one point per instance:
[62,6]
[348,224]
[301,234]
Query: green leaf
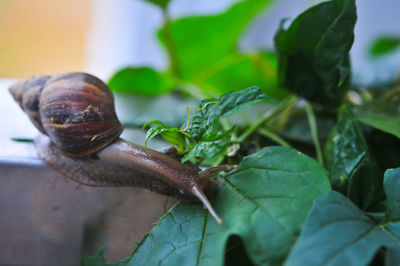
[210,58]
[170,134]
[161,3]
[384,45]
[241,70]
[353,172]
[141,80]
[99,260]
[338,233]
[226,105]
[313,53]
[392,190]
[210,144]
[264,202]
[382,116]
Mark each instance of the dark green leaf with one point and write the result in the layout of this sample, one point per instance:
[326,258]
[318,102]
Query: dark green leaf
[352,170]
[338,233]
[226,105]
[206,50]
[210,144]
[392,190]
[161,3]
[313,52]
[141,80]
[99,260]
[264,202]
[382,116]
[384,45]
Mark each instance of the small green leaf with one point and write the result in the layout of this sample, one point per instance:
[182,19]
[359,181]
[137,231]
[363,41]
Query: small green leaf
[175,138]
[226,105]
[383,116]
[141,80]
[338,233]
[210,144]
[353,172]
[170,134]
[99,260]
[313,53]
[264,202]
[384,45]
[161,3]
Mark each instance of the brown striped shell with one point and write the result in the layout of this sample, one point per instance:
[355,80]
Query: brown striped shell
[27,93]
[76,111]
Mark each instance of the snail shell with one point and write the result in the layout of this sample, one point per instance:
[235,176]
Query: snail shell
[27,93]
[76,110]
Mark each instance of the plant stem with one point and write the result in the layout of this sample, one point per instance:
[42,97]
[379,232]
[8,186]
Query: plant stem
[273,136]
[165,204]
[288,102]
[314,132]
[169,44]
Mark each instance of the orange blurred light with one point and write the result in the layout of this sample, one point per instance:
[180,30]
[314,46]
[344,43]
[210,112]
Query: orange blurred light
[42,36]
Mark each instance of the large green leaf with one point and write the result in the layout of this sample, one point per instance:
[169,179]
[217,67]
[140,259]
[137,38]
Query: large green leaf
[99,260]
[206,50]
[313,52]
[264,202]
[226,105]
[352,170]
[141,80]
[338,233]
[384,45]
[383,116]
[240,71]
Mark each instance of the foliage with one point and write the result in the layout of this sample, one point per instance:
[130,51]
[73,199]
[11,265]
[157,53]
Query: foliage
[207,140]
[354,237]
[99,260]
[384,45]
[264,189]
[278,206]
[353,171]
[141,81]
[314,52]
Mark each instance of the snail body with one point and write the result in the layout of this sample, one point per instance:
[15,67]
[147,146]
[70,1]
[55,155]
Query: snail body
[80,139]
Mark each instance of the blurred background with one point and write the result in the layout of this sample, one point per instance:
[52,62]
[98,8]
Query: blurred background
[102,37]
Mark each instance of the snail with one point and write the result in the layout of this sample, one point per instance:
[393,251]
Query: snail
[80,139]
